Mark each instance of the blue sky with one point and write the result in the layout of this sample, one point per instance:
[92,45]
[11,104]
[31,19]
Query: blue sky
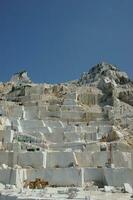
[57,40]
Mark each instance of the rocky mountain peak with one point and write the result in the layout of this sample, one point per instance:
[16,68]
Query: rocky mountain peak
[103,67]
[104,71]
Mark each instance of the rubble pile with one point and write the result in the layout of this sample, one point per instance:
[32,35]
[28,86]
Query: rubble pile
[76,135]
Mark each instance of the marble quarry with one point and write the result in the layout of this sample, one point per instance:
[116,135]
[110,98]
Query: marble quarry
[71,140]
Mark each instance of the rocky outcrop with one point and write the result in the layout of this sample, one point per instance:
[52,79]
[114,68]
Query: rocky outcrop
[20,78]
[106,72]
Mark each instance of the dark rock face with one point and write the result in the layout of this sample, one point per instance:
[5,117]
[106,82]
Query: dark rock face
[126,96]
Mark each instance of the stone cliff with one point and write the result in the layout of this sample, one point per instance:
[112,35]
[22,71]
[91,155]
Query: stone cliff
[69,133]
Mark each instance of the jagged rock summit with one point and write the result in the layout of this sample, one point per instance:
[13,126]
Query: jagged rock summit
[104,71]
